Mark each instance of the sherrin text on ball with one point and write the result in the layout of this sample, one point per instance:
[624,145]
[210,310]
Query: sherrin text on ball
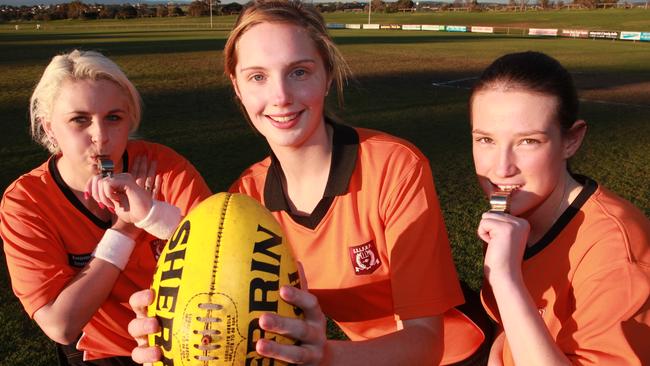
[221,269]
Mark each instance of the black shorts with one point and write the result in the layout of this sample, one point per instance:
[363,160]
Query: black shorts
[69,355]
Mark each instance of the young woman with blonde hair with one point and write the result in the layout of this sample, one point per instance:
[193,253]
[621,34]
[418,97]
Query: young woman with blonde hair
[78,243]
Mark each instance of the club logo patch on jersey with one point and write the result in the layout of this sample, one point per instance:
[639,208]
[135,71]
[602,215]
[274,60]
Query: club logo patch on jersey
[365,258]
[79,260]
[157,246]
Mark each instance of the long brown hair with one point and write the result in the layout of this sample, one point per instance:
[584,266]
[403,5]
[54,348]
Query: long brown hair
[296,13]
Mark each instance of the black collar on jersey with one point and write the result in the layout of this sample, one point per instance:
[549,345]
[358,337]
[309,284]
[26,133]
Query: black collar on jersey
[345,148]
[54,170]
[589,187]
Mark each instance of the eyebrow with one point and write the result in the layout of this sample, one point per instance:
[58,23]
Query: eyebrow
[308,60]
[116,110]
[524,133]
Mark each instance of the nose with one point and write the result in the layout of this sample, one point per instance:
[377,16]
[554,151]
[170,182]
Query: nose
[506,165]
[99,134]
[281,93]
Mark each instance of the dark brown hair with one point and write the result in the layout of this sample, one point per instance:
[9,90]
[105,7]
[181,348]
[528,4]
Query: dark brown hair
[536,72]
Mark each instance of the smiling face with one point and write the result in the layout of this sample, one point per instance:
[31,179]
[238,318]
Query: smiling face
[281,81]
[518,144]
[88,118]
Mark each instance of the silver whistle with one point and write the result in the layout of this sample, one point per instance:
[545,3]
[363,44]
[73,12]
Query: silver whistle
[105,166]
[500,201]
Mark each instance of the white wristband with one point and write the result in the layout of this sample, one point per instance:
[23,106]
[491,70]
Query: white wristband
[161,221]
[114,248]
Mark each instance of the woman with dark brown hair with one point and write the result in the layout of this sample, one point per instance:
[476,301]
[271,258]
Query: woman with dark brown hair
[567,265]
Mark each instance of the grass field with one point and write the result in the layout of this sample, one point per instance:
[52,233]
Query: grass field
[188,106]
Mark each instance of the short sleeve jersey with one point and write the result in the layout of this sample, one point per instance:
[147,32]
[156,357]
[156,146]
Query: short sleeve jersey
[590,279]
[49,236]
[375,248]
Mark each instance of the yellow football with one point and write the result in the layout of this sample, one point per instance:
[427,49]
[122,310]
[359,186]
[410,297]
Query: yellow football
[221,269]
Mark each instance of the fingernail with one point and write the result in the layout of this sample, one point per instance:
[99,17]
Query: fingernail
[86,195]
[288,292]
[267,321]
[101,205]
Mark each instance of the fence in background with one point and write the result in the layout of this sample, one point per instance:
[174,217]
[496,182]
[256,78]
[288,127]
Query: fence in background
[534,32]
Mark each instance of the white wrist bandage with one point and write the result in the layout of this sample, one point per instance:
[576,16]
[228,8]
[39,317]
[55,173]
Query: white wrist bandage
[114,248]
[161,221]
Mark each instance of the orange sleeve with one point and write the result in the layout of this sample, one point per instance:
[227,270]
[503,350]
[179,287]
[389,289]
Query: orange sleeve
[182,185]
[36,259]
[603,330]
[247,182]
[423,277]
[237,187]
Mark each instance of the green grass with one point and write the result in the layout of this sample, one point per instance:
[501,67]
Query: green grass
[188,106]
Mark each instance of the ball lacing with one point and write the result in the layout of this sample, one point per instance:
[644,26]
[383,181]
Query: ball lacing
[209,336]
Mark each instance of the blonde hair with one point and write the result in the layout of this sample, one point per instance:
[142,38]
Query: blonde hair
[73,66]
[296,13]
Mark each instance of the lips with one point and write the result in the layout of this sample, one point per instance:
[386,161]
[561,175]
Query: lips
[284,121]
[507,187]
[94,158]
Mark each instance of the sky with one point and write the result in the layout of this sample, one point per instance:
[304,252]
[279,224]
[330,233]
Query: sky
[36,2]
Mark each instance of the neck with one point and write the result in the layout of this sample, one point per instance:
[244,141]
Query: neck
[76,180]
[76,177]
[543,217]
[306,170]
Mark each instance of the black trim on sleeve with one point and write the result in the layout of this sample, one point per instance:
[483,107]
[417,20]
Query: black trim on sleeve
[345,149]
[67,192]
[589,187]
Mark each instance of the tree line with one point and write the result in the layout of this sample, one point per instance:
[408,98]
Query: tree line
[79,10]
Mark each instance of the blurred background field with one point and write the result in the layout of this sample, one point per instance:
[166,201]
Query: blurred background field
[408,83]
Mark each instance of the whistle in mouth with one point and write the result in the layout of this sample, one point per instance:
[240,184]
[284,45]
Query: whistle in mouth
[105,166]
[500,201]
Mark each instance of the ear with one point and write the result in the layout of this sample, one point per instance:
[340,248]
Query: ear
[573,138]
[233,80]
[47,128]
[330,80]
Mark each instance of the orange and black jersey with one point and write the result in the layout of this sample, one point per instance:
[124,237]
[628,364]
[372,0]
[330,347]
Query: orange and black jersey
[375,248]
[49,236]
[590,279]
